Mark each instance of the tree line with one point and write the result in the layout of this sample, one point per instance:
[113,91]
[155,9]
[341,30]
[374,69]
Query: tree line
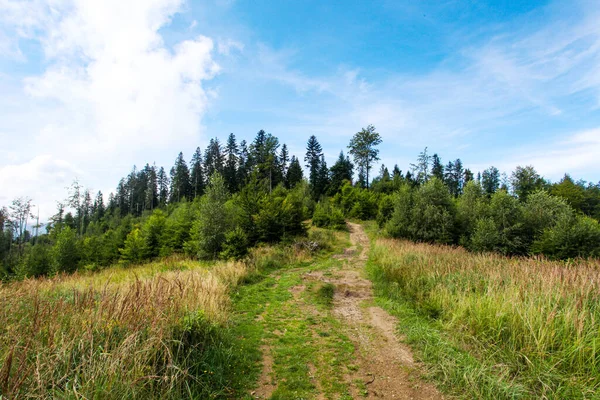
[235,195]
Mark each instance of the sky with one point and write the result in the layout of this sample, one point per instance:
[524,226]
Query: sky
[90,88]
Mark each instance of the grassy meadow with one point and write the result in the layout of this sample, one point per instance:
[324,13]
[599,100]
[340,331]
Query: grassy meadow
[166,329]
[488,326]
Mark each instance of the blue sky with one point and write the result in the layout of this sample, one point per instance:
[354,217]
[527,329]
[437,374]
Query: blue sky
[91,88]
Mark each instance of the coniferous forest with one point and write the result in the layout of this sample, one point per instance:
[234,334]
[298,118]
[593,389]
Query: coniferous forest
[233,195]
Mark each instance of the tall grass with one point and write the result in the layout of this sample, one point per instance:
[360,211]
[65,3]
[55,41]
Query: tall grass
[154,331]
[536,323]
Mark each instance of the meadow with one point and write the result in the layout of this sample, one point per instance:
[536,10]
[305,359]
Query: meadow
[489,326]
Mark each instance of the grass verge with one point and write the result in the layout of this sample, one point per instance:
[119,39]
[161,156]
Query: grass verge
[491,327]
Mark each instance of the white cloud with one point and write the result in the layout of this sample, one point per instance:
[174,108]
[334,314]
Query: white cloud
[113,93]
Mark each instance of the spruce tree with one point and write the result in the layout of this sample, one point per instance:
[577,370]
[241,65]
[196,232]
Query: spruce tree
[231,164]
[197,178]
[342,170]
[437,168]
[180,180]
[244,163]
[314,153]
[213,158]
[163,187]
[294,173]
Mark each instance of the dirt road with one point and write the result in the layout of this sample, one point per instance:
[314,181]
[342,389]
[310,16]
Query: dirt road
[378,364]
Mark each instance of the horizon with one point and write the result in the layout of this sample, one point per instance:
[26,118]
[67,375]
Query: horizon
[92,89]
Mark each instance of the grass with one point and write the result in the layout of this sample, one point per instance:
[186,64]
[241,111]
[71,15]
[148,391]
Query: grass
[494,327]
[165,329]
[157,330]
[291,316]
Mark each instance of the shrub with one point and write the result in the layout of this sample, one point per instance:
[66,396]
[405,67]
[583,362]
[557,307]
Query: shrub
[236,244]
[572,236]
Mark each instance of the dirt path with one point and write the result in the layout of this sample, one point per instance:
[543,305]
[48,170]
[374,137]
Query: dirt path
[386,364]
[378,363]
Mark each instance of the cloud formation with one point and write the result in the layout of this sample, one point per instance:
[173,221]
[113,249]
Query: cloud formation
[112,92]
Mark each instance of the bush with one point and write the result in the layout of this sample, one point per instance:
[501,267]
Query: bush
[328,216]
[572,236]
[399,225]
[236,244]
[433,213]
[65,253]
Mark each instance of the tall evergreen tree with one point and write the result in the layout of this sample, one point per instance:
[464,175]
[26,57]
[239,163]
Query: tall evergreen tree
[231,164]
[454,177]
[314,153]
[294,173]
[197,178]
[342,170]
[180,180]
[437,168]
[244,163]
[363,149]
[213,158]
[98,209]
[151,195]
[323,177]
[468,176]
[163,187]
[284,159]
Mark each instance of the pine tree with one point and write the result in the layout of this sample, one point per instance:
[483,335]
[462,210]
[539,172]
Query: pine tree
[437,168]
[284,160]
[197,178]
[98,208]
[213,158]
[314,154]
[180,180]
[468,176]
[151,195]
[322,177]
[490,180]
[294,173]
[231,164]
[342,170]
[244,163]
[163,187]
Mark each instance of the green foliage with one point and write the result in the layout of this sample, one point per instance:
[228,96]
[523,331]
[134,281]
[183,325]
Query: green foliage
[526,180]
[133,250]
[178,226]
[65,253]
[212,222]
[433,213]
[328,216]
[363,149]
[37,260]
[571,236]
[502,230]
[400,223]
[152,232]
[470,206]
[385,211]
[280,215]
[236,244]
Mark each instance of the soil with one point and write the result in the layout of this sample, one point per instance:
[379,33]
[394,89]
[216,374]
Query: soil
[385,365]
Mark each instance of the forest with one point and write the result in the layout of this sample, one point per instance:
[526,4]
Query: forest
[234,195]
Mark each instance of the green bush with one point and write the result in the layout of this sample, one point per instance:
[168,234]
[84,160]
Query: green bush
[572,236]
[236,244]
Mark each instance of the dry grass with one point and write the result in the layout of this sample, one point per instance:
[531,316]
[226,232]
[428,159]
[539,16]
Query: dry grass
[538,321]
[118,333]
